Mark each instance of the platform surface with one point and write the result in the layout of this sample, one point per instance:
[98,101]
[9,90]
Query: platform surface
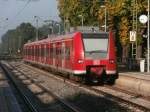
[139,75]
[136,82]
[8,102]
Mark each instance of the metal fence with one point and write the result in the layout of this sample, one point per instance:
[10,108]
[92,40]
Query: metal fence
[129,64]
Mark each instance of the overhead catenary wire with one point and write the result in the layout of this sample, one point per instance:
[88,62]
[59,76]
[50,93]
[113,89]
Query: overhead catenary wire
[23,8]
[18,13]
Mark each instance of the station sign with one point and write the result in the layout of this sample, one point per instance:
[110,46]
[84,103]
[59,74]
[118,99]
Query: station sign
[132,36]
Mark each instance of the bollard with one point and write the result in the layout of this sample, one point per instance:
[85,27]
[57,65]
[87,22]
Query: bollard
[142,65]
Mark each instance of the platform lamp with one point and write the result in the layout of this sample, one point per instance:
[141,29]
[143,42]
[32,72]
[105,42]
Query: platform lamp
[81,16]
[37,32]
[148,47]
[59,25]
[103,6]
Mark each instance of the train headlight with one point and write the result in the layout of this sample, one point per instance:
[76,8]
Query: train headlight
[111,61]
[80,61]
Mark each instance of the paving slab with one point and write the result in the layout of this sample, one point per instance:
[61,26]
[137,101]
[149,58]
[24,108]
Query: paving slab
[139,75]
[136,82]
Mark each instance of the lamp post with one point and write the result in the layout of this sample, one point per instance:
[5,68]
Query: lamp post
[6,19]
[148,41]
[81,16]
[103,6]
[51,25]
[59,31]
[67,26]
[7,48]
[37,32]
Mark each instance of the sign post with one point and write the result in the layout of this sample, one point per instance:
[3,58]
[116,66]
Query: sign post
[132,40]
[145,19]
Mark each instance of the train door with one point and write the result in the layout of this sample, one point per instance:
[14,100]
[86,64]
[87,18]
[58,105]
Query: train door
[40,57]
[63,54]
[54,54]
[42,53]
[58,54]
[68,54]
[27,52]
[33,52]
[45,53]
[48,53]
[71,54]
[36,53]
[51,54]
[31,55]
[30,52]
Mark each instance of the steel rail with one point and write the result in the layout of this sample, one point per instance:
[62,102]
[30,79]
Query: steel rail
[27,101]
[109,95]
[68,106]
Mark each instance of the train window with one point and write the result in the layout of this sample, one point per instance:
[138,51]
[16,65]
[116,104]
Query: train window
[26,51]
[23,51]
[58,52]
[47,51]
[38,52]
[67,53]
[95,45]
[30,51]
[42,52]
[63,52]
[54,52]
[33,51]
[51,52]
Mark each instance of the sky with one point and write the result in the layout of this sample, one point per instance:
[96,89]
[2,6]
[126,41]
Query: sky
[18,11]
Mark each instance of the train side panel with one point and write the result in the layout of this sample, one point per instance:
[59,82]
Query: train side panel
[78,61]
[111,63]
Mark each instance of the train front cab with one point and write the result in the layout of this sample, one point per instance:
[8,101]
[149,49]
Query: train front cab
[95,56]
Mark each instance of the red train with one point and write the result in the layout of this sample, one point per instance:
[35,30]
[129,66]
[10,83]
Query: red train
[87,55]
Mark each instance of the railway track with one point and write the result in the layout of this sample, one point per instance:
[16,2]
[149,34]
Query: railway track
[67,107]
[109,93]
[27,106]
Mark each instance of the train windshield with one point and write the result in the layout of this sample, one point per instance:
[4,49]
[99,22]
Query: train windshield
[95,45]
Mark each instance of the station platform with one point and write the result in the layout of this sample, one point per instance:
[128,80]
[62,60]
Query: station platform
[136,82]
[139,75]
[8,102]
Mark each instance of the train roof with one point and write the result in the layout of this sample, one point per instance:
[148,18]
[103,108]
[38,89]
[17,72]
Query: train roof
[60,37]
[52,38]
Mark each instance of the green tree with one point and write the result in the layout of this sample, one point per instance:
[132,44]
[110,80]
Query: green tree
[13,40]
[70,9]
